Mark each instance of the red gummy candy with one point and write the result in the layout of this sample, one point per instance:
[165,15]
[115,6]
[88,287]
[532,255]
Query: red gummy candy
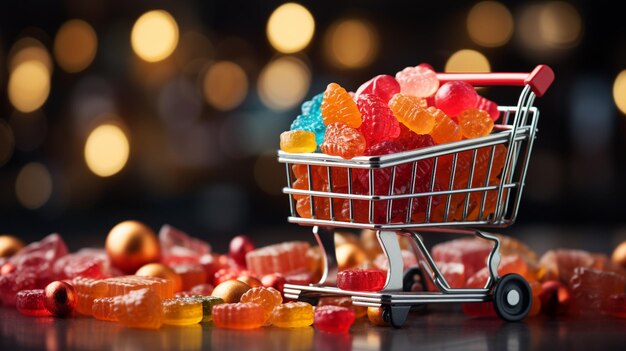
[420,81]
[333,319]
[89,263]
[453,272]
[383,86]
[361,279]
[472,253]
[379,123]
[560,264]
[455,97]
[617,305]
[30,302]
[341,140]
[177,247]
[488,106]
[238,248]
[591,289]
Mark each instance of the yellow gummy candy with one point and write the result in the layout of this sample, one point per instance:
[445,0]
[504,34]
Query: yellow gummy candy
[298,141]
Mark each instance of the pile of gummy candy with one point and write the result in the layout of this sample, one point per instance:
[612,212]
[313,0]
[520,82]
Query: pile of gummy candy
[389,115]
[183,282]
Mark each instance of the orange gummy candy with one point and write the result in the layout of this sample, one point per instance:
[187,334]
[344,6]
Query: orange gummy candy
[344,141]
[338,106]
[238,315]
[411,111]
[268,298]
[475,123]
[138,308]
[445,129]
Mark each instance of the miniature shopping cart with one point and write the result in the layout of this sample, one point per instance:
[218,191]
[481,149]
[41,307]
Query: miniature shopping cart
[458,208]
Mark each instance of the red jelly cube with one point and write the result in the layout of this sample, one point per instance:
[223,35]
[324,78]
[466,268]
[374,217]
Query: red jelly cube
[471,252]
[333,319]
[617,305]
[178,247]
[30,302]
[591,289]
[361,279]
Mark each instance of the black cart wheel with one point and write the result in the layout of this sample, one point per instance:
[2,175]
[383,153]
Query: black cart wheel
[396,315]
[412,276]
[512,297]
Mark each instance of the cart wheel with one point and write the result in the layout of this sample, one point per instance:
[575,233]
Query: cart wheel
[512,297]
[409,279]
[396,315]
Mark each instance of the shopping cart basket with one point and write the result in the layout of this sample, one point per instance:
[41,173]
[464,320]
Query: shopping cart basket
[451,188]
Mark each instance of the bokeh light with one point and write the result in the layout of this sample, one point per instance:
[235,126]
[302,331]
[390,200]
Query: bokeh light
[75,45]
[33,185]
[106,150]
[560,24]
[283,83]
[7,142]
[29,49]
[351,43]
[467,60]
[290,28]
[29,86]
[225,85]
[490,24]
[154,36]
[619,91]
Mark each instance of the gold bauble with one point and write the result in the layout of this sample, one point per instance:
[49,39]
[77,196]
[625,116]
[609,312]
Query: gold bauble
[161,271]
[9,245]
[132,244]
[231,290]
[349,256]
[375,315]
[251,281]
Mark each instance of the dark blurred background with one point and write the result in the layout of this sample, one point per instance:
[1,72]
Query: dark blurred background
[178,122]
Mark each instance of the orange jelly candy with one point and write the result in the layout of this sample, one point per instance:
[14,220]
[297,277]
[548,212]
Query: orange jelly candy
[268,298]
[475,123]
[412,112]
[445,129]
[338,106]
[238,315]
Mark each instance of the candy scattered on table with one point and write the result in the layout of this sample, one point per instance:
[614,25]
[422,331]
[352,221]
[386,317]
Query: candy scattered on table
[30,302]
[268,298]
[138,309]
[208,302]
[182,311]
[60,298]
[132,244]
[284,258]
[238,315]
[231,290]
[333,319]
[361,279]
[292,315]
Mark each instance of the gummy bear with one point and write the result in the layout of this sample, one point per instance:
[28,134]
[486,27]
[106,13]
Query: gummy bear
[179,247]
[181,311]
[284,258]
[361,279]
[420,81]
[475,123]
[411,111]
[238,315]
[344,141]
[338,106]
[293,315]
[333,319]
[383,86]
[268,298]
[379,123]
[298,141]
[455,97]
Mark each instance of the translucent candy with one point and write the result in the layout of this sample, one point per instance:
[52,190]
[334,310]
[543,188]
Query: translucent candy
[207,305]
[383,86]
[268,298]
[592,288]
[560,264]
[508,264]
[343,301]
[333,319]
[88,262]
[361,279]
[311,118]
[293,315]
[30,302]
[284,258]
[238,315]
[617,305]
[182,311]
[489,106]
[455,97]
[379,123]
[471,252]
[138,309]
[419,81]
[343,141]
[178,247]
[445,129]
[338,106]
[411,111]
[475,123]
[298,141]
[191,274]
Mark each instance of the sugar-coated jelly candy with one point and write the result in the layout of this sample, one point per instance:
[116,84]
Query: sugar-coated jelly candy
[591,289]
[453,272]
[138,309]
[383,86]
[379,123]
[268,298]
[411,111]
[420,81]
[617,305]
[30,302]
[178,247]
[338,106]
[292,315]
[191,274]
[343,301]
[343,141]
[207,305]
[238,315]
[471,252]
[559,264]
[298,141]
[361,279]
[284,258]
[455,97]
[333,319]
[508,264]
[87,262]
[475,123]
[182,311]
[445,129]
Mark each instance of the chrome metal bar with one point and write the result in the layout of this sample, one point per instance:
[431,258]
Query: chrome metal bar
[331,208]
[391,248]
[438,278]
[469,183]
[413,170]
[326,240]
[433,178]
[289,183]
[371,189]
[493,260]
[311,198]
[487,179]
[451,185]
[391,192]
[351,204]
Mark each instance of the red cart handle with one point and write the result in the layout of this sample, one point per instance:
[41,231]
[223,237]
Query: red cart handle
[539,79]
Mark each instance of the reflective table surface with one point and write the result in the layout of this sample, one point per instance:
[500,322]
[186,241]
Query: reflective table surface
[433,330]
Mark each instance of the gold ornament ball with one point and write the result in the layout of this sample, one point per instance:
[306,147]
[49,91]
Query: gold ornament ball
[161,271]
[619,255]
[251,281]
[231,290]
[60,298]
[132,244]
[375,315]
[9,245]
